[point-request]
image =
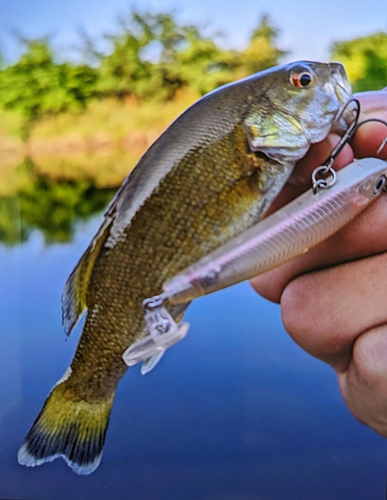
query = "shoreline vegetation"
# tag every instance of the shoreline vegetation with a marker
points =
(103, 142)
(113, 102)
(71, 131)
(118, 100)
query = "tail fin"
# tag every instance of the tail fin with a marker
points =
(73, 430)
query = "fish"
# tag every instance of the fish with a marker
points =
(290, 231)
(211, 175)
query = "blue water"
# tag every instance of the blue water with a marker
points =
(236, 411)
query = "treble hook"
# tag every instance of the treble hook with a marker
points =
(320, 174)
(351, 131)
(348, 134)
(324, 176)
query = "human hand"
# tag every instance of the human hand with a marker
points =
(334, 298)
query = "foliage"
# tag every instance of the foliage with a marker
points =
(11, 232)
(262, 52)
(54, 207)
(365, 60)
(36, 85)
(124, 71)
(151, 57)
(51, 206)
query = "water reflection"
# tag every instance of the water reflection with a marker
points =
(48, 204)
(234, 412)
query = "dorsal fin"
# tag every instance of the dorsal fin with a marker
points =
(75, 290)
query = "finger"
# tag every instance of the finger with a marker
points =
(360, 238)
(370, 136)
(325, 311)
(373, 104)
(364, 384)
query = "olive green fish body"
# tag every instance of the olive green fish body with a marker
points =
(196, 208)
(209, 177)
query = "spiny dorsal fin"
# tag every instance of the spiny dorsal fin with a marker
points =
(75, 291)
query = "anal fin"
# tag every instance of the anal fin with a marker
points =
(75, 291)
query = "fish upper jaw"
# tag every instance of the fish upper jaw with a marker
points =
(343, 91)
(338, 73)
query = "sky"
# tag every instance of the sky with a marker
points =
(307, 27)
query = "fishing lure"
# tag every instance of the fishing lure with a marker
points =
(288, 232)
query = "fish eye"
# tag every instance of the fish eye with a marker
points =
(301, 79)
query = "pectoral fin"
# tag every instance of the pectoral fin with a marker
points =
(75, 291)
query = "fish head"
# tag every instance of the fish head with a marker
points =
(296, 105)
(343, 90)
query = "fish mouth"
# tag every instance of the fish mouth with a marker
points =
(338, 73)
(348, 107)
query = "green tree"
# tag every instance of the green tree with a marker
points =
(170, 38)
(54, 206)
(36, 85)
(11, 230)
(153, 56)
(201, 64)
(262, 51)
(124, 71)
(365, 60)
(143, 57)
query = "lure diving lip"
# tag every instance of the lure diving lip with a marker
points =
(290, 231)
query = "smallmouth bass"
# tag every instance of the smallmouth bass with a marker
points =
(211, 175)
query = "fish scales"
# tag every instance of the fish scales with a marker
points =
(209, 177)
(194, 202)
(286, 233)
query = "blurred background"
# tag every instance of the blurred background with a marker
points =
(236, 411)
(86, 86)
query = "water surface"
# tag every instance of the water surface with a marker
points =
(236, 411)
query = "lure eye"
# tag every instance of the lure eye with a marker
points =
(380, 185)
(302, 79)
